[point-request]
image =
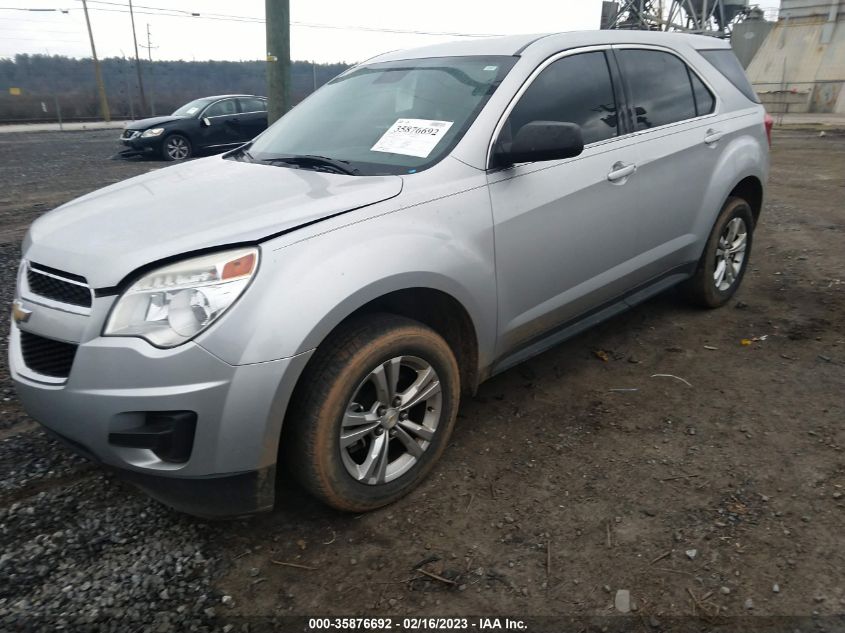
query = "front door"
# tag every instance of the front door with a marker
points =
(225, 125)
(566, 231)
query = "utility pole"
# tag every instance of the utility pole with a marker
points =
(137, 61)
(104, 104)
(125, 74)
(278, 57)
(314, 73)
(151, 76)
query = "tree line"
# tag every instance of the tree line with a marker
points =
(46, 82)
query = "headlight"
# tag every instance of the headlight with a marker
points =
(19, 280)
(155, 131)
(173, 304)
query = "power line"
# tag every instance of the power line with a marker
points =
(181, 11)
(6, 28)
(33, 10)
(222, 17)
(16, 20)
(387, 30)
(39, 39)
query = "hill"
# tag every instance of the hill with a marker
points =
(44, 79)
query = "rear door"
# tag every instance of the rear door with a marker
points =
(253, 117)
(565, 230)
(679, 140)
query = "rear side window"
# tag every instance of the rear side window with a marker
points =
(704, 101)
(574, 89)
(222, 108)
(724, 60)
(660, 87)
(250, 104)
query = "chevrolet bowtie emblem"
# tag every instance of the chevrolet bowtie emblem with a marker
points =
(19, 313)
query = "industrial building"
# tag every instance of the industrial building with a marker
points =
(800, 66)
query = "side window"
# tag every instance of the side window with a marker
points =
(704, 101)
(222, 108)
(724, 60)
(574, 89)
(660, 87)
(251, 104)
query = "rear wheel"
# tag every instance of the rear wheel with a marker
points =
(725, 258)
(176, 147)
(376, 409)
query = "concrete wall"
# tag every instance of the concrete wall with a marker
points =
(806, 8)
(801, 65)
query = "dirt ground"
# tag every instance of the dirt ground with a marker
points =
(694, 458)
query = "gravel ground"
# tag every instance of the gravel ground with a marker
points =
(557, 495)
(82, 551)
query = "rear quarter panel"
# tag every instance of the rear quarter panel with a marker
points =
(742, 152)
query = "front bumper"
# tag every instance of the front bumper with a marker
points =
(139, 146)
(115, 382)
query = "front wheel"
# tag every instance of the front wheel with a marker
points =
(176, 147)
(376, 409)
(725, 258)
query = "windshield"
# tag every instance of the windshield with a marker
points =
(388, 118)
(190, 109)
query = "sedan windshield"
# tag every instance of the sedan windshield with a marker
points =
(190, 109)
(386, 118)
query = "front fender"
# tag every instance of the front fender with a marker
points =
(304, 289)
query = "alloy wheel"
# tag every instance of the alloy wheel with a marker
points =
(730, 253)
(390, 420)
(177, 148)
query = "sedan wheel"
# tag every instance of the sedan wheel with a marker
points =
(176, 147)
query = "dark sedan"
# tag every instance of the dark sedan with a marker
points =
(203, 125)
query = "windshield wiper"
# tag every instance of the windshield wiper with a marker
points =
(242, 153)
(312, 160)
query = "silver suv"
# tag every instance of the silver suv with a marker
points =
(320, 298)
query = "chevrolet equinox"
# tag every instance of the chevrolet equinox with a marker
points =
(320, 297)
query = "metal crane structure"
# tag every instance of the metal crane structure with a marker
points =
(706, 17)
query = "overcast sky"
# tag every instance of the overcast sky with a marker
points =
(204, 38)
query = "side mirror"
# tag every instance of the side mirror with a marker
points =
(205, 121)
(541, 140)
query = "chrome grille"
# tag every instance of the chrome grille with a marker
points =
(58, 286)
(46, 356)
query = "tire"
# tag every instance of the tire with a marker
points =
(176, 147)
(719, 274)
(339, 392)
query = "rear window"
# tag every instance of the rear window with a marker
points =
(660, 87)
(725, 62)
(249, 104)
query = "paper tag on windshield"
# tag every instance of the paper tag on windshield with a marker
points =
(412, 137)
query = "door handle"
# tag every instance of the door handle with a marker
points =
(620, 170)
(712, 136)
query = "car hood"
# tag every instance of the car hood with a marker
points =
(107, 234)
(143, 124)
